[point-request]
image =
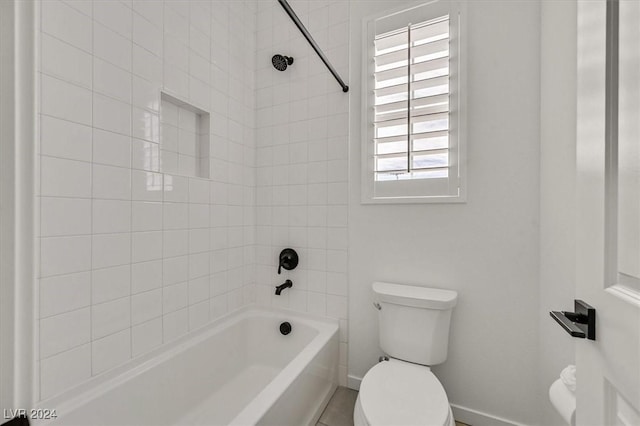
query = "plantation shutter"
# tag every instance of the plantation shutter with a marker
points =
(411, 102)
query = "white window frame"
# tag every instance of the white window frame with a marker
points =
(436, 190)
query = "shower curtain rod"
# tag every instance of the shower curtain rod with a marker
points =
(312, 42)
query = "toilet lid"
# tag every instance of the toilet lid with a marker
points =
(400, 393)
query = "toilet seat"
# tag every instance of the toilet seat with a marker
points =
(401, 393)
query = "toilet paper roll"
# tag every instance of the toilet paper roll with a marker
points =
(564, 401)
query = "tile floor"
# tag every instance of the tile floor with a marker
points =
(339, 411)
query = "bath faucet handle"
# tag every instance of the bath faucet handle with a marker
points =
(288, 260)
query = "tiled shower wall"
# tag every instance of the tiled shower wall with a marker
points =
(130, 257)
(302, 152)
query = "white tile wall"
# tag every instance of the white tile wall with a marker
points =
(132, 258)
(301, 157)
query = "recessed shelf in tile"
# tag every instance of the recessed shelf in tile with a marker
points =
(184, 138)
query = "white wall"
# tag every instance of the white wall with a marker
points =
(487, 249)
(127, 263)
(302, 168)
(557, 193)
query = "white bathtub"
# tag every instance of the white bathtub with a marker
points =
(239, 370)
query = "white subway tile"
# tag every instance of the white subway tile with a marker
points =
(175, 270)
(198, 290)
(175, 243)
(199, 191)
(64, 100)
(110, 317)
(63, 332)
(110, 148)
(110, 351)
(113, 15)
(198, 315)
(146, 64)
(66, 139)
(112, 115)
(174, 325)
(65, 178)
(169, 114)
(146, 276)
(66, 23)
(198, 265)
(111, 80)
(337, 260)
(64, 216)
(111, 46)
(198, 216)
(199, 42)
(146, 246)
(316, 303)
(111, 250)
(64, 255)
(110, 284)
(111, 182)
(175, 24)
(169, 162)
(151, 10)
(111, 216)
(199, 67)
(64, 293)
(198, 240)
(65, 61)
(145, 155)
(146, 186)
(146, 306)
(147, 35)
(65, 370)
(174, 297)
(146, 95)
(176, 189)
(146, 125)
(146, 336)
(147, 216)
(175, 215)
(176, 80)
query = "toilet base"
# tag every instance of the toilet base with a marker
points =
(360, 420)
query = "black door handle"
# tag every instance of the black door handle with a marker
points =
(581, 323)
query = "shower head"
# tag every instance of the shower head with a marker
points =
(281, 62)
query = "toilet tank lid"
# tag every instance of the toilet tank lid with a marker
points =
(410, 295)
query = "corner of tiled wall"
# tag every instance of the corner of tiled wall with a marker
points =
(302, 127)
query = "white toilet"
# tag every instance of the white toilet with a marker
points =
(414, 333)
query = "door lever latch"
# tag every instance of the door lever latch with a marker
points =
(581, 323)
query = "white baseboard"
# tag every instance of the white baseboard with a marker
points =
(478, 418)
(353, 382)
(460, 413)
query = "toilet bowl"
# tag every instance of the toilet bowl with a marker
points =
(413, 330)
(400, 393)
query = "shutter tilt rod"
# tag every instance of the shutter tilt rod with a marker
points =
(312, 42)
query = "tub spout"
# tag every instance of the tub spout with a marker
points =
(286, 284)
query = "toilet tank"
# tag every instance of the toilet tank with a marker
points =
(414, 321)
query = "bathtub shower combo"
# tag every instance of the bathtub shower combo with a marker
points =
(248, 368)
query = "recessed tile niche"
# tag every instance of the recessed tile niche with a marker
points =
(184, 139)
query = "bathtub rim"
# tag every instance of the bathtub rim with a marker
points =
(82, 394)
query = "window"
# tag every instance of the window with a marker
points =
(413, 145)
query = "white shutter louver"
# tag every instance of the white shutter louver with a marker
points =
(411, 102)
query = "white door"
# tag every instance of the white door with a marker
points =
(608, 222)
